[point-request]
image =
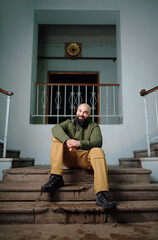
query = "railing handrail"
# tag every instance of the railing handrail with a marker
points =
(9, 93)
(75, 84)
(143, 92)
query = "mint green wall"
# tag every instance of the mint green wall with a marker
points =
(138, 68)
(106, 68)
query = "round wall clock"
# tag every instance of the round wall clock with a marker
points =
(73, 49)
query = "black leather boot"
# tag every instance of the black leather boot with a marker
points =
(103, 199)
(55, 181)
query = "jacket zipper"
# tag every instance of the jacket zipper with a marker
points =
(78, 133)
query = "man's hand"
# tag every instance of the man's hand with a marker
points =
(73, 144)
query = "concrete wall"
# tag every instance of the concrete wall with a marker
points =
(138, 68)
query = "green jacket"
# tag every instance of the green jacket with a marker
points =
(89, 137)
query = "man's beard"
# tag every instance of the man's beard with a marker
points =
(83, 123)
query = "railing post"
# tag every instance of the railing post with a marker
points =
(44, 104)
(156, 108)
(58, 104)
(6, 126)
(147, 126)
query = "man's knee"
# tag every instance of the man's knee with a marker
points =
(96, 153)
(56, 144)
(56, 140)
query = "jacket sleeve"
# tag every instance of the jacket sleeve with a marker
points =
(59, 131)
(95, 140)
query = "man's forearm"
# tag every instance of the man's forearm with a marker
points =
(59, 133)
(87, 145)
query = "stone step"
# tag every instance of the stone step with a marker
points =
(77, 212)
(10, 153)
(145, 162)
(85, 192)
(7, 163)
(154, 145)
(1, 146)
(22, 162)
(144, 153)
(130, 162)
(40, 174)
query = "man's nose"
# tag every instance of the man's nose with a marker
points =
(81, 115)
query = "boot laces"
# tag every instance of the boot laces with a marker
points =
(53, 179)
(105, 197)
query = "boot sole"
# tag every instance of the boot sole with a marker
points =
(51, 190)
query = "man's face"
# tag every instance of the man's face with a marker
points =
(83, 112)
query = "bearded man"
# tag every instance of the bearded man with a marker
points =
(77, 144)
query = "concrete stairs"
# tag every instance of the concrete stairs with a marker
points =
(138, 155)
(21, 199)
(9, 153)
(141, 160)
(143, 153)
(13, 160)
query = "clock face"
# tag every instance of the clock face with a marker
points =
(73, 49)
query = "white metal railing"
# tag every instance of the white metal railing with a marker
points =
(4, 141)
(60, 101)
(145, 94)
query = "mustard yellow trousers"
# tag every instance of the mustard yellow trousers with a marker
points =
(84, 159)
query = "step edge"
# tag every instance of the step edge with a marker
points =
(71, 206)
(78, 188)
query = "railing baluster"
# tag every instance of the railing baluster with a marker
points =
(86, 94)
(51, 99)
(156, 108)
(79, 94)
(37, 110)
(107, 102)
(114, 100)
(100, 104)
(145, 94)
(65, 97)
(44, 104)
(72, 102)
(58, 105)
(147, 126)
(6, 126)
(4, 141)
(93, 102)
